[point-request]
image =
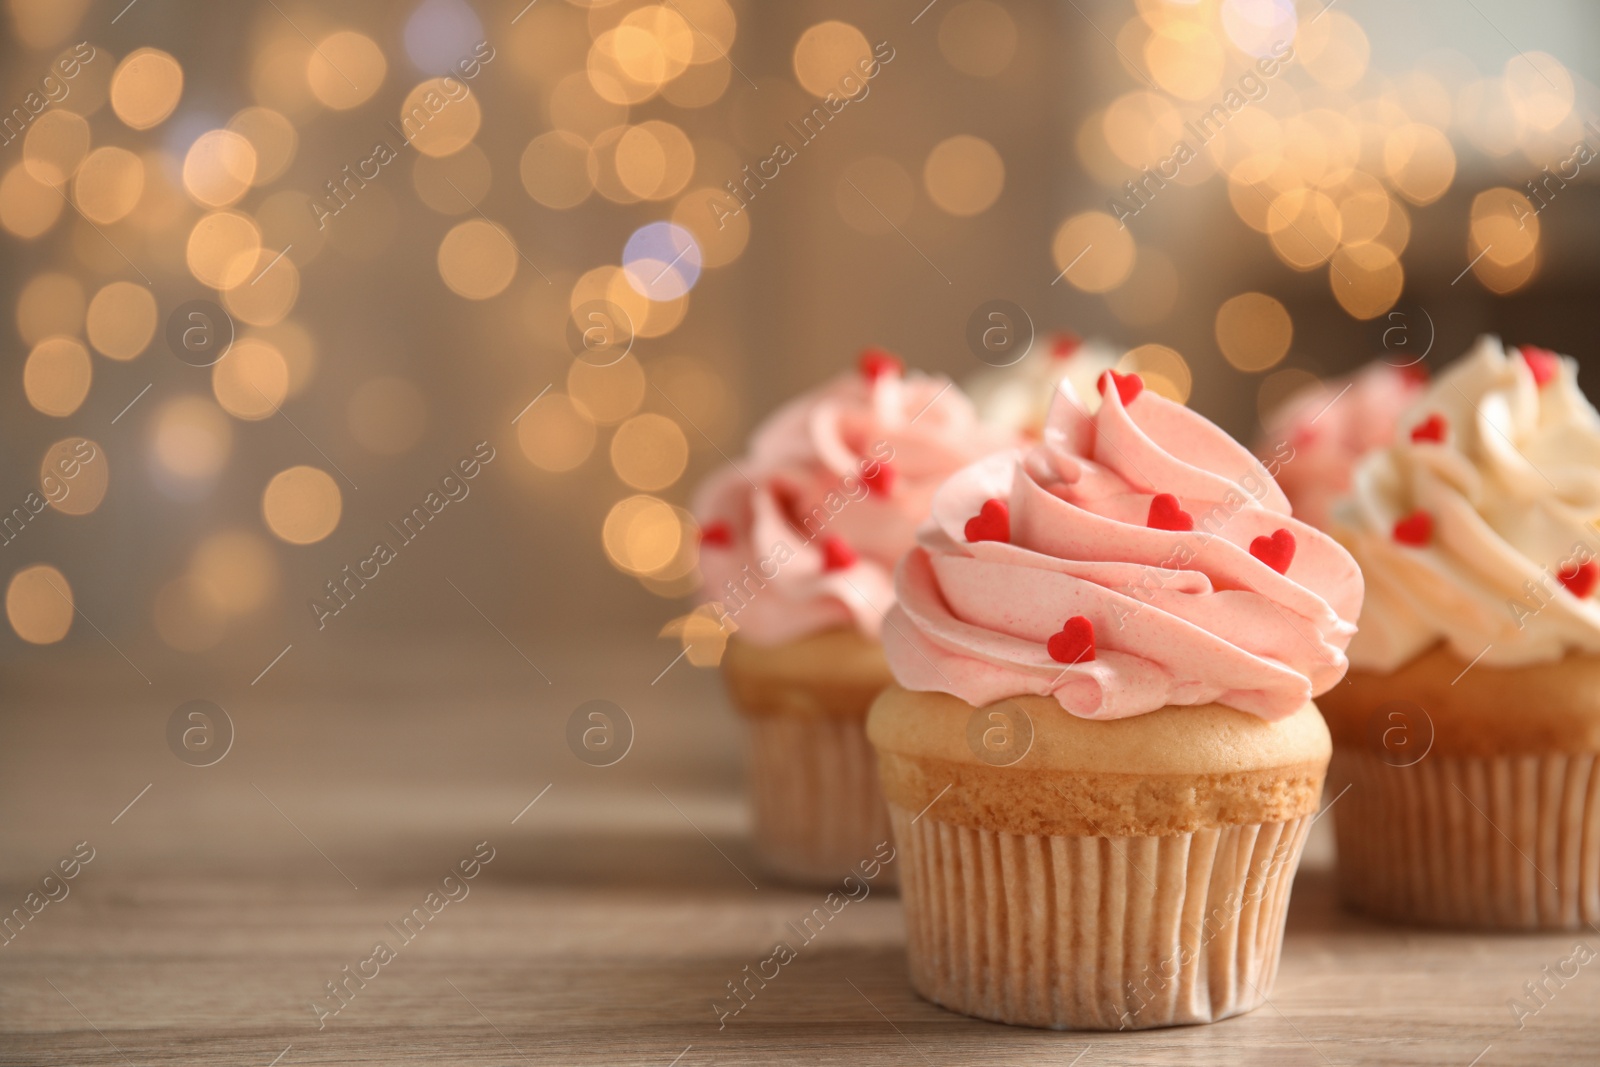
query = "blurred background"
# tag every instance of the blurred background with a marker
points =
(276, 272)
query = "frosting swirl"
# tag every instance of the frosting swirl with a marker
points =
(1314, 441)
(802, 535)
(1017, 398)
(1146, 560)
(1476, 527)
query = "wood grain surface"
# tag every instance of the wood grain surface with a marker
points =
(615, 909)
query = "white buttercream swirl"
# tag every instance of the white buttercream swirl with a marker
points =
(1512, 492)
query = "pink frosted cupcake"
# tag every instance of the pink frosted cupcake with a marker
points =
(798, 543)
(1102, 758)
(1313, 441)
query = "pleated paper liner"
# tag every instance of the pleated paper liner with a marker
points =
(1095, 933)
(1509, 842)
(819, 810)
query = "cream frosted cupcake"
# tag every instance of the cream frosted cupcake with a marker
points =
(1313, 442)
(1017, 398)
(1102, 759)
(1469, 730)
(798, 543)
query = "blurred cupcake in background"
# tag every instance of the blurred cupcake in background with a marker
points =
(1017, 397)
(1469, 728)
(1102, 757)
(1314, 440)
(798, 544)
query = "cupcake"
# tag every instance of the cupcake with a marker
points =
(1017, 397)
(798, 544)
(1101, 757)
(1469, 728)
(1313, 442)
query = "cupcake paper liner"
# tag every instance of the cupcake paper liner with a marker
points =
(1507, 842)
(1095, 933)
(819, 810)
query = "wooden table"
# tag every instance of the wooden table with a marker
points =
(614, 911)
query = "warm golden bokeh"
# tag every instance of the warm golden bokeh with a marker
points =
(51, 303)
(964, 175)
(251, 381)
(1253, 330)
(39, 604)
(74, 475)
(1093, 251)
(108, 184)
(54, 146)
(191, 441)
(440, 116)
(344, 69)
(649, 452)
(56, 376)
(556, 434)
(477, 259)
(121, 320)
(830, 57)
(302, 505)
(234, 571)
(219, 168)
(146, 87)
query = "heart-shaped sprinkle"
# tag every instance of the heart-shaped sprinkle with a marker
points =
(1542, 362)
(1431, 428)
(1065, 345)
(879, 478)
(1075, 642)
(1165, 514)
(1415, 529)
(1580, 580)
(718, 534)
(1415, 373)
(837, 555)
(1128, 385)
(874, 363)
(991, 523)
(1276, 551)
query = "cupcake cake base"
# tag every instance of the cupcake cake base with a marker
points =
(1095, 933)
(1100, 875)
(819, 810)
(1473, 805)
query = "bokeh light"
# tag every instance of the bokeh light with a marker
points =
(477, 259)
(108, 184)
(345, 69)
(146, 88)
(830, 57)
(39, 604)
(235, 571)
(662, 260)
(190, 443)
(51, 303)
(1253, 330)
(56, 376)
(556, 434)
(1093, 251)
(964, 175)
(74, 475)
(121, 320)
(642, 534)
(219, 168)
(54, 146)
(607, 394)
(649, 452)
(440, 116)
(251, 380)
(302, 505)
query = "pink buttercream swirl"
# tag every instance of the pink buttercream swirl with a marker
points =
(802, 535)
(1178, 616)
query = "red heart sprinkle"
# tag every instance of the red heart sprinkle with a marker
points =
(1431, 428)
(991, 523)
(1415, 529)
(1165, 514)
(1075, 642)
(1415, 373)
(1276, 551)
(837, 555)
(1542, 362)
(1128, 385)
(879, 478)
(717, 533)
(1065, 345)
(1581, 579)
(874, 363)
